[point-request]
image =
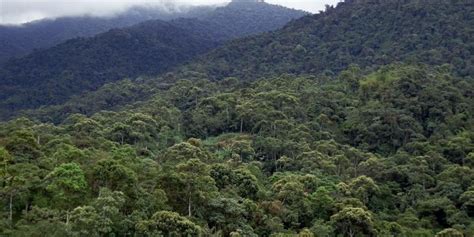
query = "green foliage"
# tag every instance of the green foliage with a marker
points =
(169, 224)
(67, 185)
(18, 40)
(354, 221)
(52, 76)
(372, 151)
(449, 233)
(280, 156)
(353, 32)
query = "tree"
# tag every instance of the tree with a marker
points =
(67, 185)
(84, 221)
(5, 160)
(363, 188)
(241, 180)
(290, 191)
(23, 146)
(109, 206)
(352, 222)
(322, 228)
(184, 151)
(68, 153)
(199, 185)
(169, 224)
(114, 176)
(467, 199)
(322, 203)
(449, 233)
(226, 215)
(38, 221)
(18, 181)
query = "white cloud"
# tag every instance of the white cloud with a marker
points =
(20, 11)
(307, 5)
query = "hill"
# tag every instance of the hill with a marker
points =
(19, 40)
(366, 33)
(83, 64)
(51, 76)
(238, 19)
(384, 153)
(370, 150)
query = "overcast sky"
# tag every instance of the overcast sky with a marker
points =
(20, 11)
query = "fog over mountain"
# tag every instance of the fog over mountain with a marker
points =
(149, 48)
(249, 119)
(22, 11)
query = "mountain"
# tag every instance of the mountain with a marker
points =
(384, 153)
(19, 40)
(51, 76)
(370, 150)
(367, 33)
(83, 64)
(355, 32)
(238, 19)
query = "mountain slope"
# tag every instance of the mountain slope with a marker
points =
(20, 40)
(359, 32)
(374, 151)
(354, 32)
(239, 19)
(83, 64)
(391, 152)
(51, 76)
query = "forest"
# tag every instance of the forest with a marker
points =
(20, 40)
(389, 153)
(346, 123)
(51, 76)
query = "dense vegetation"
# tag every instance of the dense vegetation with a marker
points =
(357, 31)
(19, 40)
(239, 19)
(52, 76)
(387, 153)
(285, 134)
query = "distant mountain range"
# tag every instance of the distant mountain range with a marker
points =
(51, 76)
(356, 32)
(355, 122)
(19, 40)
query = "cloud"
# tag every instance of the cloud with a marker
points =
(20, 11)
(307, 5)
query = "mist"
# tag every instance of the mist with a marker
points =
(22, 11)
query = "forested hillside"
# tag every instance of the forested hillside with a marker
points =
(19, 40)
(52, 76)
(341, 124)
(368, 33)
(239, 19)
(389, 153)
(271, 54)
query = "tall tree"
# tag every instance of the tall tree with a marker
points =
(199, 185)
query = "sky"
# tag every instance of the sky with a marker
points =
(21, 11)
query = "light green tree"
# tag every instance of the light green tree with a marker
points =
(353, 222)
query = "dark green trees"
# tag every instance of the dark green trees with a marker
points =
(388, 152)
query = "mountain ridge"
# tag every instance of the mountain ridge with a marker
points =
(359, 32)
(51, 76)
(17, 41)
(281, 134)
(282, 52)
